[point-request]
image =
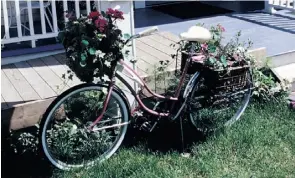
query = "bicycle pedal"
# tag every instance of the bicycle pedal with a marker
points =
(153, 126)
(146, 126)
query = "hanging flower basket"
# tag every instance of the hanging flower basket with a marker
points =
(93, 43)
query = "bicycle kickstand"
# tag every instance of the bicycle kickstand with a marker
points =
(183, 154)
(155, 124)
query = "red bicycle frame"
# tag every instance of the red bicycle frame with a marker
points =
(130, 73)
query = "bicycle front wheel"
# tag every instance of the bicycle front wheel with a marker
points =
(209, 110)
(65, 138)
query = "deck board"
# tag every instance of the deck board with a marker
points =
(157, 55)
(170, 36)
(142, 67)
(9, 93)
(37, 80)
(54, 81)
(150, 61)
(59, 69)
(40, 86)
(42, 78)
(23, 87)
(159, 46)
(152, 51)
(145, 56)
(61, 58)
(54, 65)
(164, 41)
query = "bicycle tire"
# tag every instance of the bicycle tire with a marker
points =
(237, 114)
(49, 113)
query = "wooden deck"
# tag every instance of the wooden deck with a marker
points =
(29, 87)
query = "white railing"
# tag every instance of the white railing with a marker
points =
(14, 11)
(270, 5)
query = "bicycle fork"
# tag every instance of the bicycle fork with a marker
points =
(105, 104)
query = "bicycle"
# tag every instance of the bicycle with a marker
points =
(98, 132)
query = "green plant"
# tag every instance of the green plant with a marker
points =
(218, 56)
(93, 44)
(235, 53)
(67, 141)
(24, 140)
(266, 86)
(84, 105)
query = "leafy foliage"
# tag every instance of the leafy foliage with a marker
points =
(267, 87)
(236, 53)
(218, 56)
(93, 44)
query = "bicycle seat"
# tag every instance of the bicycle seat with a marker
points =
(196, 33)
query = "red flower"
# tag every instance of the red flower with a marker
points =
(101, 23)
(110, 11)
(94, 14)
(115, 13)
(221, 28)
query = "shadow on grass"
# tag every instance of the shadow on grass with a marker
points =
(165, 137)
(29, 162)
(23, 161)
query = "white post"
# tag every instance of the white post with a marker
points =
(32, 32)
(98, 5)
(54, 16)
(133, 41)
(65, 4)
(268, 8)
(18, 21)
(77, 8)
(88, 6)
(42, 17)
(6, 25)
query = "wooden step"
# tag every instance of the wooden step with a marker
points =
(286, 72)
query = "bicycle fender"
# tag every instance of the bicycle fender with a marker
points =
(191, 84)
(123, 96)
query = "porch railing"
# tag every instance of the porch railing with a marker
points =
(47, 8)
(270, 5)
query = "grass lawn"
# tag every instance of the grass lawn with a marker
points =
(262, 144)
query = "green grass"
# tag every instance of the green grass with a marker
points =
(262, 144)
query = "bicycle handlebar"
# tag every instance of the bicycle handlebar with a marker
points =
(143, 33)
(148, 31)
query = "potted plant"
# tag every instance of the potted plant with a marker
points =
(216, 56)
(225, 65)
(92, 44)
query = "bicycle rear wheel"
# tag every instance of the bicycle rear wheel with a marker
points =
(65, 138)
(209, 110)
